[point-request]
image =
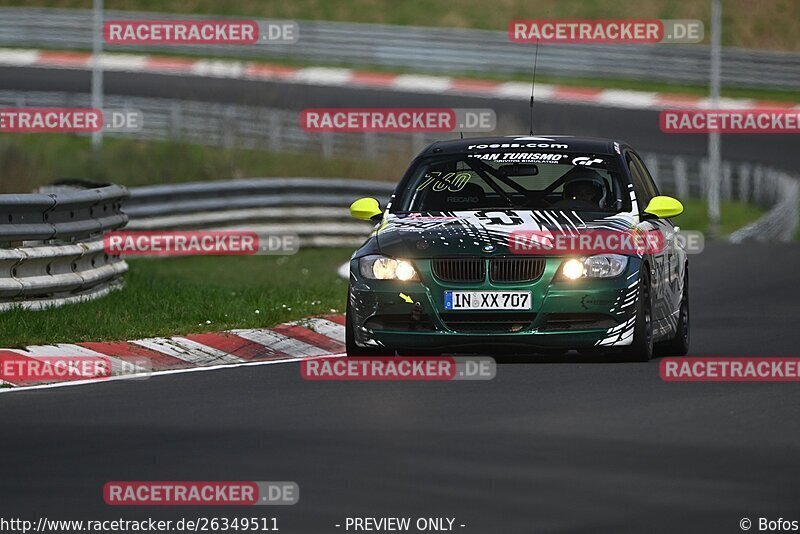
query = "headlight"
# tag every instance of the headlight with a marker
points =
(384, 268)
(599, 266)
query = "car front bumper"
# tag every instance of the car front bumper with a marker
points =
(565, 314)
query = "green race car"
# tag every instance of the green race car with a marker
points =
(479, 250)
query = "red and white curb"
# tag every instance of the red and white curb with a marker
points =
(308, 338)
(412, 83)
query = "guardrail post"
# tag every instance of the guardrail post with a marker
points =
(370, 142)
(744, 182)
(681, 180)
(229, 127)
(651, 161)
(703, 177)
(327, 145)
(726, 190)
(175, 120)
(758, 185)
(417, 141)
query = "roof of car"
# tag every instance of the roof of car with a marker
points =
(595, 145)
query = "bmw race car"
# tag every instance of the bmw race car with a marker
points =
(443, 271)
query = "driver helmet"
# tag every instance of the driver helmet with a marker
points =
(586, 185)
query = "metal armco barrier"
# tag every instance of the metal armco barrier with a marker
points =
(436, 50)
(61, 216)
(781, 222)
(316, 209)
(51, 249)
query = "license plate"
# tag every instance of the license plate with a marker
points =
(487, 300)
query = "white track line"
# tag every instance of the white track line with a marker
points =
(323, 76)
(160, 373)
(418, 82)
(18, 58)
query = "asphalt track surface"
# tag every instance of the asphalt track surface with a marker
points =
(638, 127)
(545, 447)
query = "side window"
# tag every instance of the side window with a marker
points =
(647, 179)
(642, 195)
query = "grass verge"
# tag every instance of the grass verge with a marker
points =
(172, 296)
(28, 161)
(733, 215)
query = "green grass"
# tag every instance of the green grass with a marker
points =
(165, 297)
(764, 24)
(733, 215)
(30, 160)
(27, 161)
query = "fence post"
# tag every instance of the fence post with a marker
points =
(681, 179)
(703, 168)
(758, 185)
(275, 131)
(327, 145)
(727, 193)
(651, 162)
(744, 182)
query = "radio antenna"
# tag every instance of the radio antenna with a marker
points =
(533, 82)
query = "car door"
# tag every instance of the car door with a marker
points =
(663, 264)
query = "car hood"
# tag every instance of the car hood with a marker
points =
(419, 235)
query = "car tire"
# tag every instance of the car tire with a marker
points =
(641, 349)
(351, 348)
(679, 344)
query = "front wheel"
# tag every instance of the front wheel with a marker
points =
(641, 349)
(679, 345)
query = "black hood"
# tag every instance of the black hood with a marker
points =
(419, 235)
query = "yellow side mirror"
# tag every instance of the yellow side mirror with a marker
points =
(365, 209)
(664, 207)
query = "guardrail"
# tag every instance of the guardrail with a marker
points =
(51, 249)
(437, 50)
(781, 222)
(315, 209)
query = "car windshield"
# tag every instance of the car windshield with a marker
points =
(523, 180)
